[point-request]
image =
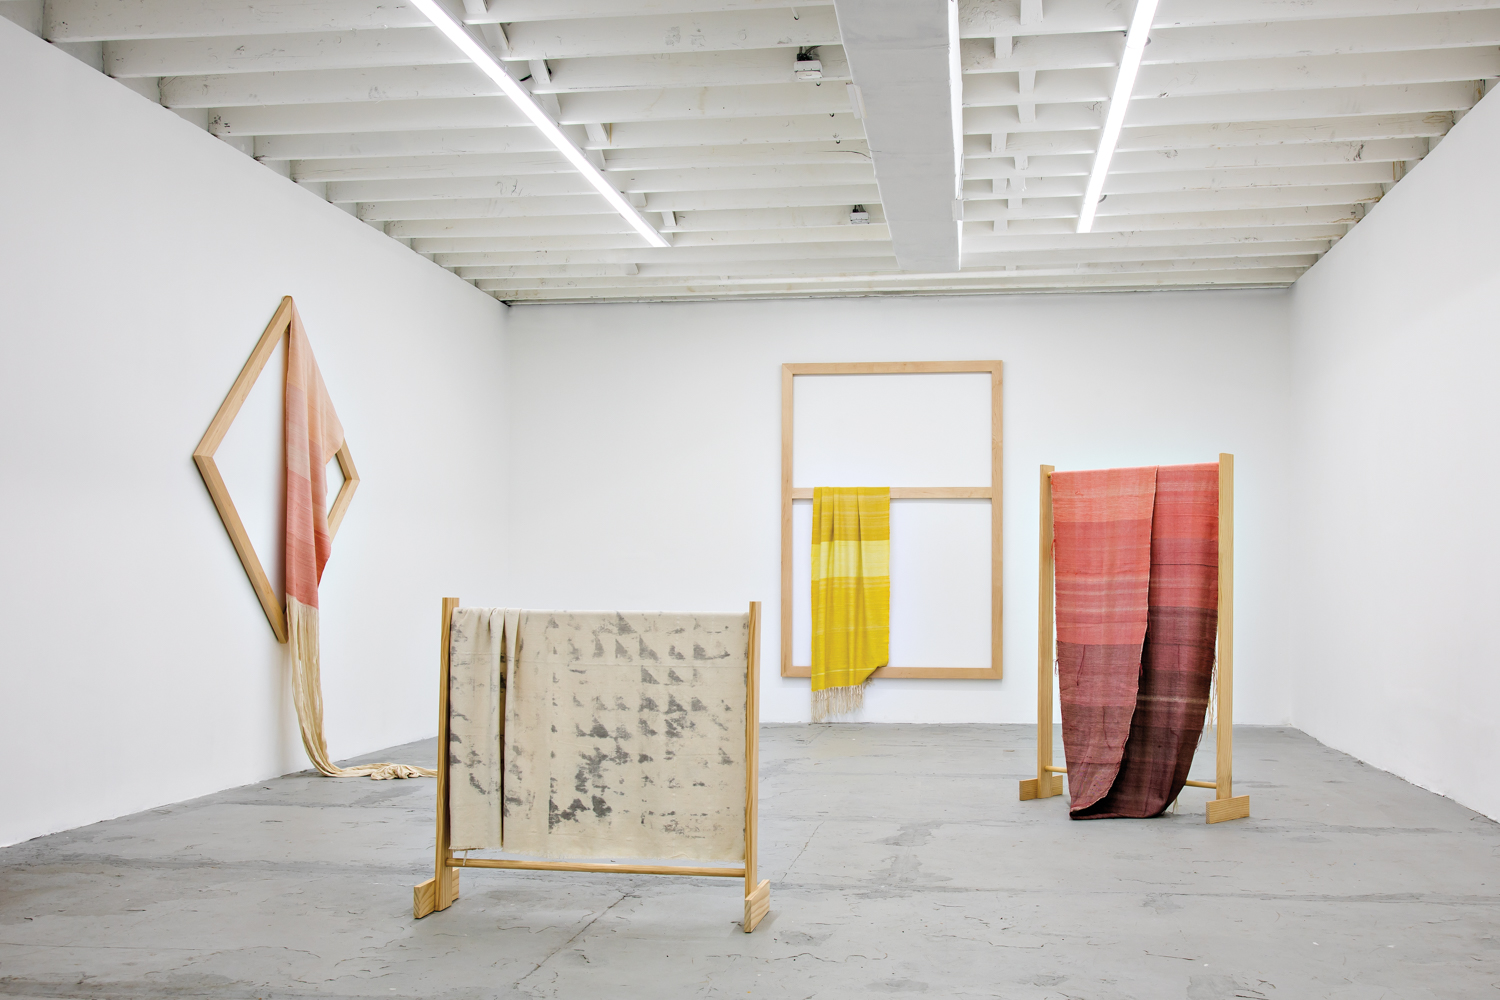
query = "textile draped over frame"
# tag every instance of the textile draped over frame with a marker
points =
(608, 734)
(481, 643)
(1137, 615)
(313, 436)
(851, 594)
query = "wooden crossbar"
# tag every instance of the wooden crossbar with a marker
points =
(617, 868)
(1225, 805)
(440, 891)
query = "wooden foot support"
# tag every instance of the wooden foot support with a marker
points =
(757, 905)
(424, 896)
(1219, 810)
(1041, 788)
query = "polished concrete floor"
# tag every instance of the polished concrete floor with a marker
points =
(901, 863)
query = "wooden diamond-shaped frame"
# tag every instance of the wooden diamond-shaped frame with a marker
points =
(203, 455)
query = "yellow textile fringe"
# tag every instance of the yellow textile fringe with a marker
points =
(829, 702)
(307, 696)
(851, 594)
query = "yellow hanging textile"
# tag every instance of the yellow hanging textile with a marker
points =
(851, 594)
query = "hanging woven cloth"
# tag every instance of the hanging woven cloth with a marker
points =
(313, 436)
(851, 594)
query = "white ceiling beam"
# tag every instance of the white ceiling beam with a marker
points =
(682, 268)
(1063, 238)
(1214, 158)
(377, 116)
(465, 82)
(870, 235)
(1260, 75)
(752, 67)
(742, 155)
(99, 20)
(660, 278)
(1343, 36)
(1316, 72)
(736, 210)
(582, 290)
(904, 59)
(490, 208)
(648, 34)
(1355, 128)
(728, 131)
(1294, 104)
(433, 203)
(328, 86)
(744, 177)
(551, 10)
(532, 226)
(1157, 203)
(780, 99)
(516, 186)
(1185, 13)
(1045, 258)
(433, 142)
(389, 168)
(1205, 180)
(987, 19)
(714, 255)
(420, 45)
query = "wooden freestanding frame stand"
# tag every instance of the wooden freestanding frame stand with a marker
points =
(1225, 805)
(439, 892)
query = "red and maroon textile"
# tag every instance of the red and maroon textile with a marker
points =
(1136, 555)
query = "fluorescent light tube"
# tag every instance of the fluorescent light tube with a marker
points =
(481, 57)
(1130, 65)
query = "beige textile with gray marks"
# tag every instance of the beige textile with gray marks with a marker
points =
(625, 736)
(479, 640)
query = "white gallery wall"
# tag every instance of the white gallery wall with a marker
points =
(1396, 344)
(645, 456)
(140, 259)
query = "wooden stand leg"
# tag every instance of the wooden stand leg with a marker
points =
(1225, 805)
(757, 894)
(1046, 784)
(439, 892)
(424, 894)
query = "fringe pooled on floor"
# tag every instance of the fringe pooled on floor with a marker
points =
(307, 696)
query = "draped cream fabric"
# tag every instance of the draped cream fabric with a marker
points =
(625, 736)
(851, 594)
(478, 656)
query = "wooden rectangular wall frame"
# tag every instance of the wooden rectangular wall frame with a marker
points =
(1225, 805)
(440, 891)
(992, 493)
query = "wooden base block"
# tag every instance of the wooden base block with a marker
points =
(757, 905)
(424, 896)
(1219, 810)
(1032, 788)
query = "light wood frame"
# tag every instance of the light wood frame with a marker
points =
(439, 892)
(992, 493)
(1225, 805)
(203, 456)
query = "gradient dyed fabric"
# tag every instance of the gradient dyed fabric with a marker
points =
(313, 436)
(1137, 615)
(851, 594)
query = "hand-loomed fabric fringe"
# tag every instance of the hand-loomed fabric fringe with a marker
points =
(838, 701)
(307, 696)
